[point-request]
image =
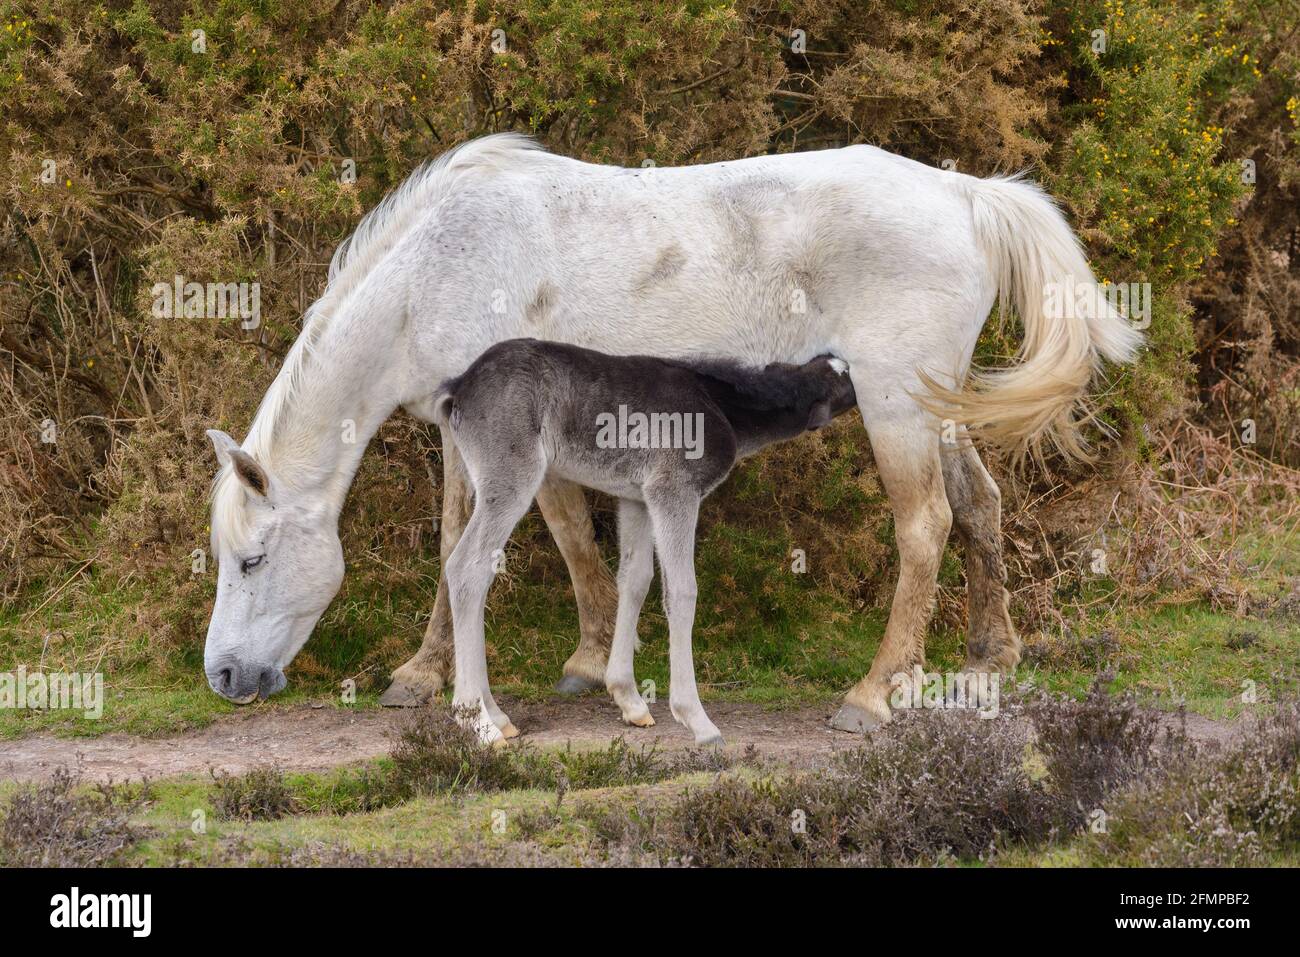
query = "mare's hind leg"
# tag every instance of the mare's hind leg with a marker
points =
(636, 569)
(906, 449)
(564, 506)
(429, 670)
(976, 502)
(500, 501)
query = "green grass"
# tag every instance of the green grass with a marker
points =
(443, 825)
(183, 825)
(1182, 653)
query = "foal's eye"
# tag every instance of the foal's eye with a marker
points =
(249, 563)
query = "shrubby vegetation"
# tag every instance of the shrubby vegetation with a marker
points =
(217, 141)
(1097, 781)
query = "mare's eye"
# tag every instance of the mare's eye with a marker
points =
(249, 563)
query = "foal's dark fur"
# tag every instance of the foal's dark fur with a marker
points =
(527, 408)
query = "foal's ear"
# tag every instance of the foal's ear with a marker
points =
(223, 444)
(819, 415)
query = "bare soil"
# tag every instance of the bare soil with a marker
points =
(316, 738)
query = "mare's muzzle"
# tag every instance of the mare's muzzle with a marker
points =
(243, 682)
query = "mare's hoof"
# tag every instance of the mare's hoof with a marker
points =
(576, 684)
(402, 695)
(856, 720)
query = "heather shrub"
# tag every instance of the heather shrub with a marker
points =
(933, 788)
(1097, 745)
(435, 755)
(58, 823)
(258, 795)
(1227, 808)
(939, 787)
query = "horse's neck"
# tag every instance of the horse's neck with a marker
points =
(345, 390)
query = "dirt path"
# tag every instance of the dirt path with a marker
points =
(310, 738)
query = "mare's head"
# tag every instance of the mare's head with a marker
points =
(279, 566)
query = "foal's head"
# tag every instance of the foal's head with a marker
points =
(280, 564)
(831, 387)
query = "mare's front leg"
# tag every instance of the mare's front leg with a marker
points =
(430, 669)
(635, 572)
(673, 516)
(564, 507)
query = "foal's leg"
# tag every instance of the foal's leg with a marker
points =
(673, 516)
(635, 571)
(907, 455)
(976, 502)
(500, 502)
(564, 506)
(430, 669)
(565, 509)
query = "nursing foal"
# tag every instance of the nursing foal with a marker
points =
(659, 435)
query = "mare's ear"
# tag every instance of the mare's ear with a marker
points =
(223, 444)
(250, 473)
(819, 415)
(245, 466)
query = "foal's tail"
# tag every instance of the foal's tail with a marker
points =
(442, 401)
(1068, 323)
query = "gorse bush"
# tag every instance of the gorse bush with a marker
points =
(241, 141)
(1143, 170)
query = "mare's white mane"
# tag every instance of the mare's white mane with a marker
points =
(375, 236)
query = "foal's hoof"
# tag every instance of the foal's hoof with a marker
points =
(644, 721)
(712, 741)
(402, 695)
(576, 684)
(855, 720)
(510, 731)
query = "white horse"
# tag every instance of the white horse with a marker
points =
(888, 263)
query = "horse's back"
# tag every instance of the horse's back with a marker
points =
(762, 258)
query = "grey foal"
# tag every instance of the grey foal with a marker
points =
(657, 434)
